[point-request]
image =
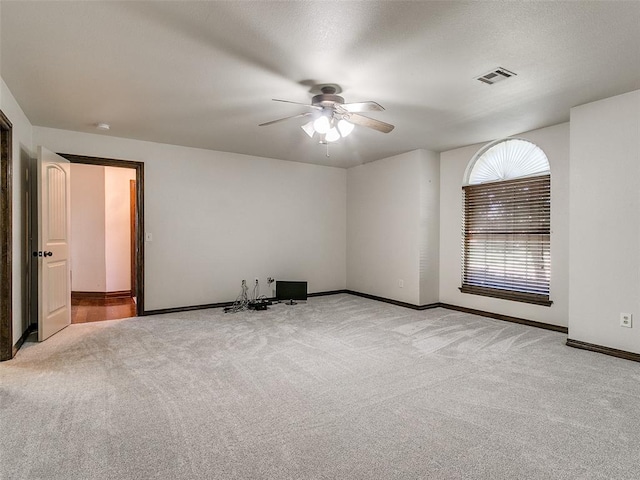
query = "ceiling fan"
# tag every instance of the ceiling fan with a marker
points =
(333, 119)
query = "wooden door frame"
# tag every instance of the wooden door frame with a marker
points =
(6, 239)
(139, 254)
(133, 226)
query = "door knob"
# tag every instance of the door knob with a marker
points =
(48, 254)
(43, 254)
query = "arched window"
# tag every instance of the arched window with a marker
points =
(507, 223)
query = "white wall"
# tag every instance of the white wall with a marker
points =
(117, 240)
(605, 222)
(429, 236)
(392, 223)
(217, 218)
(87, 229)
(22, 157)
(554, 141)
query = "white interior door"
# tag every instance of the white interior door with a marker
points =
(54, 273)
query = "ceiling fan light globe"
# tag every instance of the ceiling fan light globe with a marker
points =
(345, 127)
(308, 129)
(321, 125)
(332, 135)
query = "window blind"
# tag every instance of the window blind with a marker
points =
(506, 239)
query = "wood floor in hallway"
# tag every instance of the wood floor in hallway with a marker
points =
(85, 310)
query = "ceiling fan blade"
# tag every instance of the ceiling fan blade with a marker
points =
(362, 107)
(297, 103)
(369, 122)
(285, 118)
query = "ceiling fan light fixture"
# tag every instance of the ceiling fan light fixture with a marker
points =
(321, 124)
(331, 118)
(308, 128)
(332, 135)
(345, 127)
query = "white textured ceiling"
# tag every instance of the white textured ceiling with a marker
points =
(203, 74)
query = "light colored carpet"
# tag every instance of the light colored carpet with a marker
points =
(339, 388)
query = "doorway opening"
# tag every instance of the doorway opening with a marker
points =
(107, 248)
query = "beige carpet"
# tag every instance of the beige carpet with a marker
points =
(338, 388)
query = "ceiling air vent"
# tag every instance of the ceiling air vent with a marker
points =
(496, 75)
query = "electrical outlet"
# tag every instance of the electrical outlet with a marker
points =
(401, 283)
(625, 320)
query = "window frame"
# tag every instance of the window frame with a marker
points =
(523, 227)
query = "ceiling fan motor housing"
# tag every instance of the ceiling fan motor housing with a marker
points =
(327, 100)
